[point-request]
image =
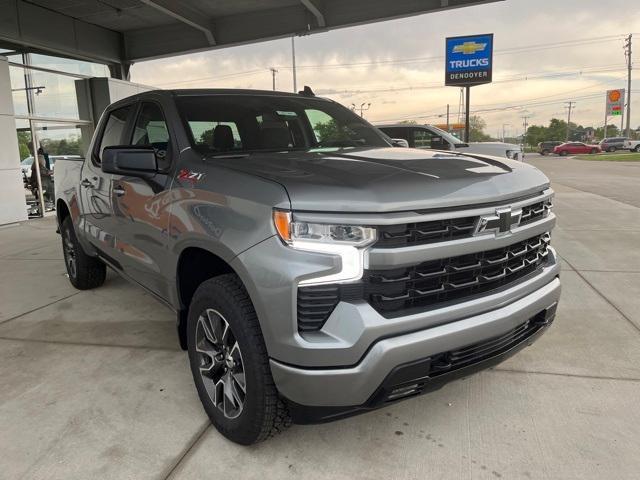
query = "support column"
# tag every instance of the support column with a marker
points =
(13, 206)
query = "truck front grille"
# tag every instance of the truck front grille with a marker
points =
(403, 235)
(392, 291)
(422, 233)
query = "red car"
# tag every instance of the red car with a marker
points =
(572, 148)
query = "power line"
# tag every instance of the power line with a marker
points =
(438, 85)
(523, 103)
(216, 77)
(507, 51)
(519, 49)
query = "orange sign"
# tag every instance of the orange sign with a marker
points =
(452, 126)
(615, 101)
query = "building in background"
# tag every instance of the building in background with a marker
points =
(51, 103)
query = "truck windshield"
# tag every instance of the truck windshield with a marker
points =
(230, 124)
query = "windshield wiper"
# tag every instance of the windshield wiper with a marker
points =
(226, 155)
(246, 153)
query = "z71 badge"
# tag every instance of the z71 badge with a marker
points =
(190, 176)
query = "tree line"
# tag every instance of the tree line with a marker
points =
(63, 146)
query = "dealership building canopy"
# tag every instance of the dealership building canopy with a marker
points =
(63, 61)
(126, 31)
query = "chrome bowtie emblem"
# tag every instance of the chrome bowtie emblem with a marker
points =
(501, 223)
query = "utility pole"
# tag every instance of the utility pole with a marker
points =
(503, 131)
(569, 107)
(293, 63)
(467, 115)
(525, 124)
(273, 77)
(627, 53)
(447, 117)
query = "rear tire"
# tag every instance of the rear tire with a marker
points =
(84, 272)
(637, 149)
(611, 149)
(593, 151)
(544, 152)
(230, 365)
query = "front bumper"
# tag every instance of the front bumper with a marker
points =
(319, 394)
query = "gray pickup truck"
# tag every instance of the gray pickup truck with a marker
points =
(316, 272)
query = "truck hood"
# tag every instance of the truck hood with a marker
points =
(389, 179)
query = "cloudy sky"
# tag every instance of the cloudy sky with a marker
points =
(546, 52)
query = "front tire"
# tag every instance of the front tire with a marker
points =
(84, 272)
(637, 149)
(611, 149)
(544, 152)
(593, 151)
(230, 365)
(563, 153)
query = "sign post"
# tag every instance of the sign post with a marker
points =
(469, 62)
(614, 106)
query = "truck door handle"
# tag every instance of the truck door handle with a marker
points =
(118, 190)
(87, 183)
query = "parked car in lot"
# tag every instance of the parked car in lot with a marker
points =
(27, 163)
(315, 271)
(612, 144)
(545, 148)
(633, 145)
(430, 137)
(574, 148)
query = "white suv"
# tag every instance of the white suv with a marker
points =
(428, 136)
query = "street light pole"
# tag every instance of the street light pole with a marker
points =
(293, 63)
(361, 108)
(273, 77)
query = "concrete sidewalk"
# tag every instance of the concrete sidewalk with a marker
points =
(94, 385)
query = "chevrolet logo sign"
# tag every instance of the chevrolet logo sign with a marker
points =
(469, 48)
(501, 223)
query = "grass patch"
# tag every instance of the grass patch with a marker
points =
(611, 157)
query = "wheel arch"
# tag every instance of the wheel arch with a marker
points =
(62, 211)
(195, 265)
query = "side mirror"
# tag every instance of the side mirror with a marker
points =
(399, 142)
(129, 160)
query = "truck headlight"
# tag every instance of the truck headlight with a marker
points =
(346, 241)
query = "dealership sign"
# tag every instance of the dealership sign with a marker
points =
(615, 102)
(469, 60)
